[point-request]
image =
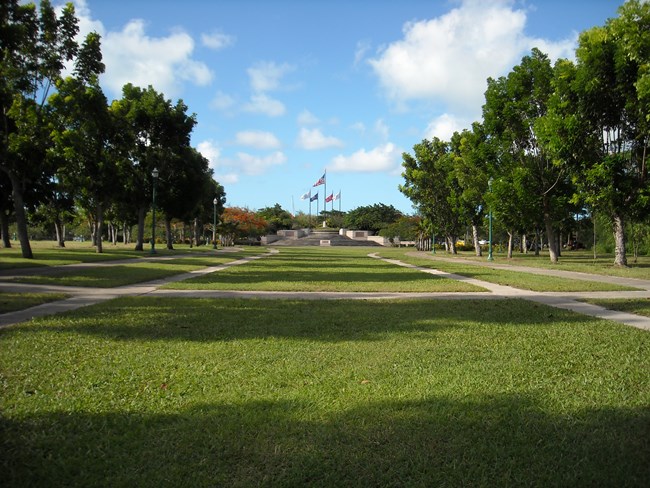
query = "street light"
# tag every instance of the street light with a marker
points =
(214, 226)
(154, 173)
(490, 258)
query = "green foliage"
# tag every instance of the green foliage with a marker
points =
(276, 217)
(406, 228)
(371, 217)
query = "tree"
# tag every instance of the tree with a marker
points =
(276, 217)
(514, 111)
(156, 134)
(472, 153)
(240, 222)
(33, 49)
(83, 135)
(371, 217)
(601, 119)
(432, 186)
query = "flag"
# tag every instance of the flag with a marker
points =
(337, 196)
(321, 180)
(315, 197)
(306, 195)
(330, 198)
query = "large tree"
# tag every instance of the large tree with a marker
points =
(600, 125)
(157, 133)
(431, 184)
(515, 106)
(83, 136)
(34, 46)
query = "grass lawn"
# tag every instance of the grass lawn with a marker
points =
(581, 261)
(636, 306)
(10, 302)
(516, 279)
(110, 276)
(318, 269)
(47, 253)
(147, 391)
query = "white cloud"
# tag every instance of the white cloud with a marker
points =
(131, 56)
(381, 128)
(449, 58)
(210, 151)
(217, 40)
(307, 118)
(360, 52)
(263, 104)
(315, 139)
(266, 75)
(257, 139)
(444, 126)
(382, 158)
(360, 127)
(222, 101)
(256, 165)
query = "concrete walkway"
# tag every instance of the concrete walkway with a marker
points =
(81, 297)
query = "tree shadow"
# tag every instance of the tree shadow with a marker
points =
(507, 440)
(208, 320)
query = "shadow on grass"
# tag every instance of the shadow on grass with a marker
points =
(196, 319)
(494, 441)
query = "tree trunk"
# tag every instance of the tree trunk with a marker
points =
(21, 218)
(477, 246)
(168, 232)
(100, 228)
(537, 243)
(4, 228)
(60, 232)
(620, 259)
(451, 240)
(139, 244)
(524, 243)
(510, 242)
(553, 252)
(197, 237)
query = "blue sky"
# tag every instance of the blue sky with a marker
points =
(286, 90)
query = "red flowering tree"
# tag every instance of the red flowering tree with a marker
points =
(237, 222)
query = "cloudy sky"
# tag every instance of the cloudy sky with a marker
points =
(286, 90)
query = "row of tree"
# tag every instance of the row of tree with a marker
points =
(65, 149)
(556, 141)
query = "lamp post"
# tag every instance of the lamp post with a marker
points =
(214, 224)
(154, 173)
(490, 258)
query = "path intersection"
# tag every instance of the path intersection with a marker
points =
(81, 296)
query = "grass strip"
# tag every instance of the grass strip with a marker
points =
(147, 391)
(640, 306)
(120, 275)
(11, 302)
(516, 279)
(303, 269)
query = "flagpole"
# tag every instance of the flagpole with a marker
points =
(325, 193)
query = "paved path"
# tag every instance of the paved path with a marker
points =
(81, 297)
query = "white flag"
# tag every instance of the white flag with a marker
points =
(306, 195)
(337, 196)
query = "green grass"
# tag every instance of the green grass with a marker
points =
(108, 276)
(516, 279)
(204, 392)
(580, 261)
(639, 306)
(47, 253)
(316, 269)
(11, 302)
